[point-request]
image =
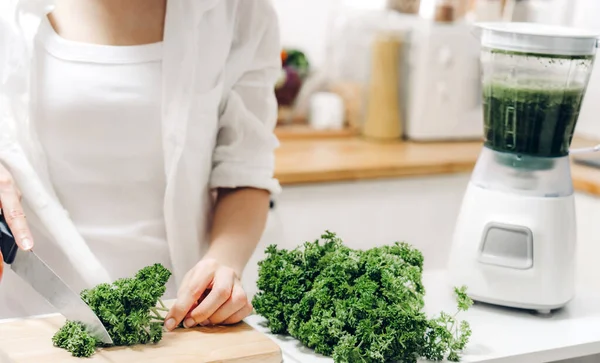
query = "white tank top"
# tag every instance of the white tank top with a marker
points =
(98, 118)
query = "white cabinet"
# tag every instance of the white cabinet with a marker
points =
(420, 211)
(365, 214)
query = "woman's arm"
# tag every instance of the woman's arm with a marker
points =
(212, 292)
(242, 173)
(239, 221)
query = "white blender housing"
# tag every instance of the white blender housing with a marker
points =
(515, 238)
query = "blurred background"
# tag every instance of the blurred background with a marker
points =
(334, 50)
(381, 121)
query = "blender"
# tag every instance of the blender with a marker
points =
(515, 238)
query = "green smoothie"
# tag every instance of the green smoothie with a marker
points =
(535, 118)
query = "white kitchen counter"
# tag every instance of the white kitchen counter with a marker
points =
(499, 335)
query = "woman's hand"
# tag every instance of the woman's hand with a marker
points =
(10, 203)
(210, 294)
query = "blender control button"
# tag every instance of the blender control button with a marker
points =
(506, 245)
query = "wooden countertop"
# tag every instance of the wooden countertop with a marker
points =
(317, 160)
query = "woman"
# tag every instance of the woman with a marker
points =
(145, 129)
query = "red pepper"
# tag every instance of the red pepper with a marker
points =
(284, 56)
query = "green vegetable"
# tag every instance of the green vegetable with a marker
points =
(297, 59)
(540, 56)
(532, 101)
(535, 118)
(356, 306)
(127, 308)
(74, 338)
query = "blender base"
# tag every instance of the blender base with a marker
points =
(514, 250)
(539, 309)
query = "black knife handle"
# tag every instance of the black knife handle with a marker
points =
(8, 245)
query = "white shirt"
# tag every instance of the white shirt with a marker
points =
(220, 63)
(97, 117)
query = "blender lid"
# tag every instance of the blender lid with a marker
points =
(538, 38)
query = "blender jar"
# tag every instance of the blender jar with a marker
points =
(534, 81)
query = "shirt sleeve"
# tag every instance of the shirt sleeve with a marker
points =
(244, 155)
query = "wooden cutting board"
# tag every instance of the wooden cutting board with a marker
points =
(30, 341)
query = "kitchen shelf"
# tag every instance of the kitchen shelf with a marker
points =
(312, 157)
(295, 132)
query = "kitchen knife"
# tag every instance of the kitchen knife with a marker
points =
(36, 273)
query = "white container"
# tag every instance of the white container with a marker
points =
(443, 92)
(326, 111)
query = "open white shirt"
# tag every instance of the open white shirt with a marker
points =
(97, 117)
(220, 62)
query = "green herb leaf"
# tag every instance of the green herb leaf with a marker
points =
(127, 308)
(355, 305)
(74, 338)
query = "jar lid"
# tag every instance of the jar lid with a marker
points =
(538, 38)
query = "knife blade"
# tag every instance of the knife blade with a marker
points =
(40, 276)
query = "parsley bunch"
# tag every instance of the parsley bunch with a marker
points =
(127, 308)
(356, 306)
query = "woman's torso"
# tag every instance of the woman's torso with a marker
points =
(97, 115)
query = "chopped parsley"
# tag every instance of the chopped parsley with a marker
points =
(129, 308)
